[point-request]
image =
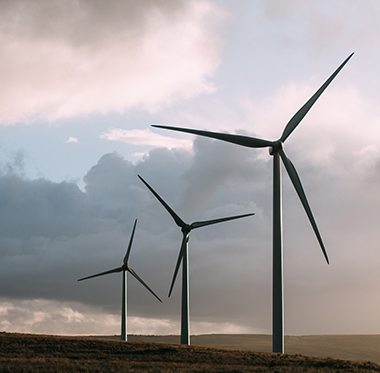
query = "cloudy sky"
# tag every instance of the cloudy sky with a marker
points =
(81, 82)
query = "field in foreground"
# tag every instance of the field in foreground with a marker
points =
(42, 353)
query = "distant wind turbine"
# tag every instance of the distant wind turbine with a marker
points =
(183, 256)
(277, 151)
(125, 268)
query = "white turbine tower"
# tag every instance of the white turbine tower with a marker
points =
(125, 268)
(277, 151)
(183, 256)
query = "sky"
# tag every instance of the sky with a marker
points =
(82, 81)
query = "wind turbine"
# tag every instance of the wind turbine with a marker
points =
(277, 151)
(183, 256)
(125, 268)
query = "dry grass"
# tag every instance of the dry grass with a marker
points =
(41, 353)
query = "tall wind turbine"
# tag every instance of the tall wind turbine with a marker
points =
(183, 256)
(125, 268)
(277, 151)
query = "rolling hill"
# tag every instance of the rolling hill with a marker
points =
(45, 353)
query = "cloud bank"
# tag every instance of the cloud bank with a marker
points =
(64, 59)
(54, 233)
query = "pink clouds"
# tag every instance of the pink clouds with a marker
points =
(144, 137)
(80, 62)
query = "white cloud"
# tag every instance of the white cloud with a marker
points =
(139, 155)
(26, 317)
(73, 139)
(77, 57)
(45, 316)
(144, 137)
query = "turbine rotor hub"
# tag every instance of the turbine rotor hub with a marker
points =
(186, 229)
(277, 146)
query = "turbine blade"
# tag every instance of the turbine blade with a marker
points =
(126, 258)
(176, 218)
(302, 196)
(138, 278)
(250, 142)
(115, 270)
(198, 224)
(293, 123)
(180, 256)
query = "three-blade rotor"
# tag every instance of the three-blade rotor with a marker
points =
(186, 228)
(125, 267)
(277, 146)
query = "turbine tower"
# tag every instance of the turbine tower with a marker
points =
(277, 151)
(125, 268)
(183, 256)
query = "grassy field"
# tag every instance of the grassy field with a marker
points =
(42, 353)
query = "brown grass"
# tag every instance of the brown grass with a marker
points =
(42, 353)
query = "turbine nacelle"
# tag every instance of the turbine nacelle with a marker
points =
(276, 147)
(186, 229)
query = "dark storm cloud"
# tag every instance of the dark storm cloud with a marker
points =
(54, 233)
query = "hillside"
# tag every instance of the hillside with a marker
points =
(42, 353)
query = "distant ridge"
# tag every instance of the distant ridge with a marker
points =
(45, 353)
(364, 347)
